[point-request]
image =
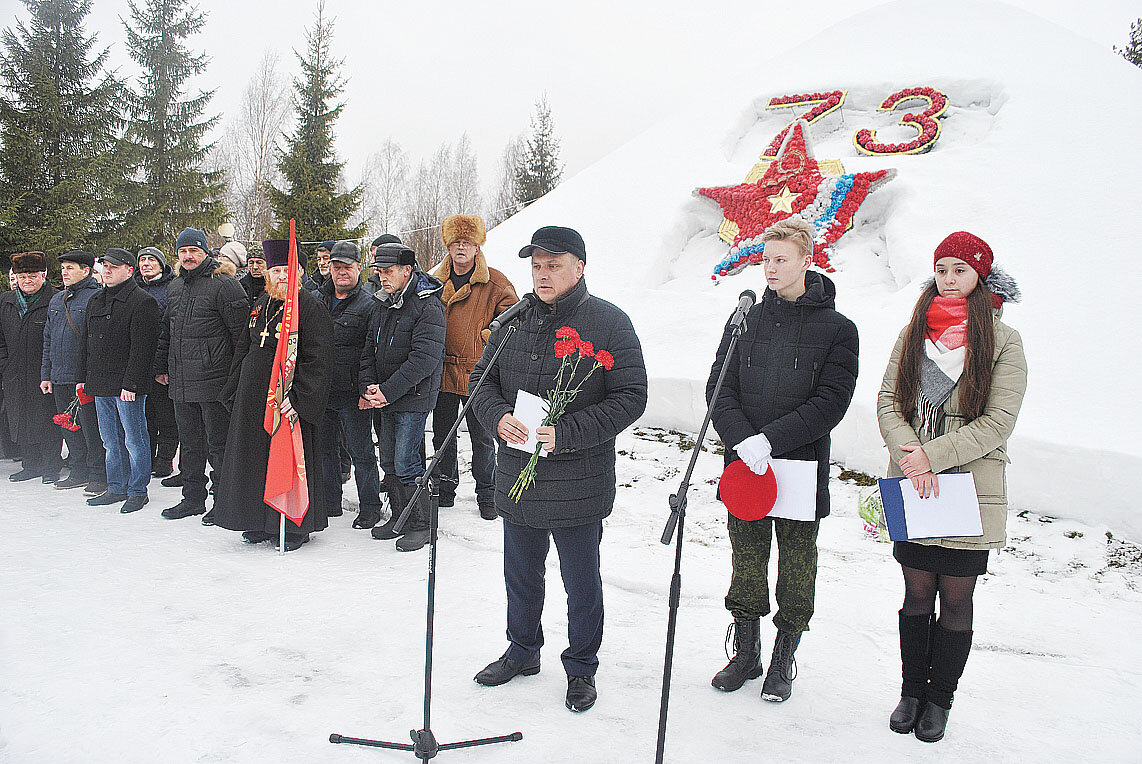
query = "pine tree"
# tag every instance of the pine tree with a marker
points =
(540, 171)
(309, 166)
(59, 114)
(170, 188)
(1133, 50)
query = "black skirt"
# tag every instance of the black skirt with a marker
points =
(941, 560)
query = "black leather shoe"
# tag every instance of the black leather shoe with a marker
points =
(931, 724)
(25, 474)
(257, 537)
(384, 531)
(446, 502)
(366, 520)
(174, 481)
(95, 487)
(504, 670)
(133, 504)
(71, 482)
(581, 693)
(185, 508)
(162, 468)
(778, 684)
(903, 719)
(412, 541)
(208, 518)
(106, 498)
(49, 478)
(745, 636)
(488, 511)
(293, 542)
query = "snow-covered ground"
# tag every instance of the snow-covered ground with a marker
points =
(136, 639)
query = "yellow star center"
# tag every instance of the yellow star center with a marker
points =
(782, 202)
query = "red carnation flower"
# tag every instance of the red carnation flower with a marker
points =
(61, 419)
(71, 427)
(586, 348)
(605, 359)
(84, 398)
(564, 348)
(566, 332)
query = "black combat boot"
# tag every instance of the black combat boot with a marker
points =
(915, 634)
(782, 668)
(746, 660)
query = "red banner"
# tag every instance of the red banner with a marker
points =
(286, 488)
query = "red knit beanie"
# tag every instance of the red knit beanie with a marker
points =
(967, 247)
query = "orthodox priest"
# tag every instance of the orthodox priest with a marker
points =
(239, 500)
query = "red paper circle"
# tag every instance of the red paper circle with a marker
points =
(748, 496)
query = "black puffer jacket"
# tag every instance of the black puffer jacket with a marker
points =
(575, 483)
(206, 314)
(119, 341)
(29, 411)
(404, 346)
(351, 318)
(792, 378)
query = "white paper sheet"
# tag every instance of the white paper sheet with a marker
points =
(529, 409)
(796, 489)
(955, 513)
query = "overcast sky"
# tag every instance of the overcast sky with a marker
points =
(425, 72)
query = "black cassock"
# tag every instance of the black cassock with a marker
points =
(238, 502)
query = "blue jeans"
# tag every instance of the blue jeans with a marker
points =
(525, 555)
(358, 426)
(402, 436)
(123, 427)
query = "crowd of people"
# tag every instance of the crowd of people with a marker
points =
(131, 365)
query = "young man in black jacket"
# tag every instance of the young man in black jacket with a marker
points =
(789, 384)
(352, 309)
(574, 488)
(401, 367)
(116, 365)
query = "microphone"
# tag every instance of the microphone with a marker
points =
(513, 312)
(748, 298)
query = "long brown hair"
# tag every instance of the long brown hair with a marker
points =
(975, 383)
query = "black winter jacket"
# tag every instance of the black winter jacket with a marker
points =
(67, 313)
(158, 287)
(404, 346)
(792, 378)
(206, 314)
(119, 341)
(29, 411)
(351, 319)
(575, 483)
(254, 286)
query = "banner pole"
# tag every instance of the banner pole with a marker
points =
(281, 535)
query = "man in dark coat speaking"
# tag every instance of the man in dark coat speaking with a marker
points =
(239, 501)
(574, 486)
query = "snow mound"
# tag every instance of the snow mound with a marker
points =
(1036, 155)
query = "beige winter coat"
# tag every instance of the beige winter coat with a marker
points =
(979, 446)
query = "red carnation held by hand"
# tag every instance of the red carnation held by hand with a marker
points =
(605, 359)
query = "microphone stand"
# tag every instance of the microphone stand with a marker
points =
(424, 745)
(678, 518)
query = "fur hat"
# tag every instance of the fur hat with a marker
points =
(29, 262)
(234, 252)
(470, 227)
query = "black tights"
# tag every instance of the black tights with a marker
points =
(920, 588)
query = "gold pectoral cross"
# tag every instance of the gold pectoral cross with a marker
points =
(264, 335)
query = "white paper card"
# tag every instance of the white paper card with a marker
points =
(529, 409)
(955, 513)
(796, 489)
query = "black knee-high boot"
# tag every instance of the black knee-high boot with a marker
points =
(915, 643)
(950, 650)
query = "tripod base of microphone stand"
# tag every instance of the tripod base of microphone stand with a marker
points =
(424, 745)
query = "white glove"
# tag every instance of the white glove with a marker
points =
(755, 452)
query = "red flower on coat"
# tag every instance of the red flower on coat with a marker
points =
(567, 333)
(564, 348)
(586, 348)
(605, 359)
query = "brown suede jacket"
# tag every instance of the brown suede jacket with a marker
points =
(468, 313)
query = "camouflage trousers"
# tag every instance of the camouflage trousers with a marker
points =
(796, 570)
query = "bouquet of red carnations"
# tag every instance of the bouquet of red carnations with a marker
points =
(67, 419)
(571, 350)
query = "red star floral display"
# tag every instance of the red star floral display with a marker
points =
(793, 184)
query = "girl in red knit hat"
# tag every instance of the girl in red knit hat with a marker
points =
(948, 403)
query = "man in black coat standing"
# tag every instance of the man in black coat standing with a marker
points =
(116, 365)
(29, 410)
(574, 488)
(240, 498)
(205, 318)
(345, 415)
(401, 367)
(789, 384)
(154, 275)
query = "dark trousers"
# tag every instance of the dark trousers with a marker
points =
(343, 416)
(483, 449)
(796, 570)
(202, 429)
(162, 427)
(525, 555)
(84, 448)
